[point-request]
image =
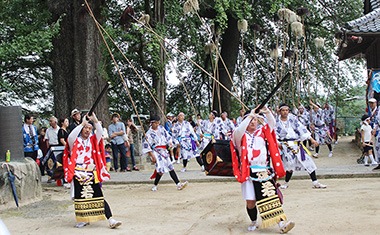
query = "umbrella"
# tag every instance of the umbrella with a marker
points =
(11, 178)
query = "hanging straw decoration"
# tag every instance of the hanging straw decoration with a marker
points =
(190, 6)
(144, 19)
(297, 29)
(293, 17)
(319, 42)
(274, 53)
(209, 48)
(283, 14)
(242, 26)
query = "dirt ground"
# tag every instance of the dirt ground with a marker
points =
(347, 206)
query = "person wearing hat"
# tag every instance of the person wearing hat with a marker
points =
(372, 111)
(321, 131)
(156, 143)
(253, 148)
(169, 123)
(116, 131)
(366, 139)
(76, 120)
(290, 135)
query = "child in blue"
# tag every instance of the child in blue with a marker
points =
(108, 154)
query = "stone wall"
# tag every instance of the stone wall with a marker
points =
(27, 182)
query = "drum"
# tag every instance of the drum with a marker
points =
(53, 162)
(217, 158)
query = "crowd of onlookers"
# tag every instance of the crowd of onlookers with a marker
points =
(118, 140)
(119, 136)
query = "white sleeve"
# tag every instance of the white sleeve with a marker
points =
(73, 135)
(98, 131)
(240, 131)
(270, 119)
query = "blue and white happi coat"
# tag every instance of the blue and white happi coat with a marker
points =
(290, 134)
(210, 130)
(329, 114)
(184, 135)
(228, 127)
(304, 118)
(321, 131)
(155, 141)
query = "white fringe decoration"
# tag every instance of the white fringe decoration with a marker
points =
(319, 42)
(144, 19)
(292, 17)
(209, 48)
(274, 53)
(242, 26)
(195, 4)
(190, 6)
(297, 28)
(187, 7)
(282, 13)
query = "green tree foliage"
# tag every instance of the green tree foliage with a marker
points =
(25, 44)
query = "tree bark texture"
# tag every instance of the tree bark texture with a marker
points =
(229, 53)
(77, 58)
(158, 77)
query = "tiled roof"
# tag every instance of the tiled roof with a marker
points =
(369, 23)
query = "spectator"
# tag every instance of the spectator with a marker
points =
(105, 136)
(41, 142)
(108, 155)
(52, 132)
(76, 116)
(367, 135)
(191, 121)
(169, 123)
(30, 137)
(116, 130)
(62, 132)
(131, 131)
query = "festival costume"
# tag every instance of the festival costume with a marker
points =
(184, 135)
(321, 130)
(156, 141)
(229, 127)
(329, 114)
(252, 169)
(210, 130)
(295, 155)
(85, 166)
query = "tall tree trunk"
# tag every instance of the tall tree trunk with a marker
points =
(229, 53)
(76, 58)
(158, 77)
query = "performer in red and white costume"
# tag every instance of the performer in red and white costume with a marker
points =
(85, 167)
(252, 140)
